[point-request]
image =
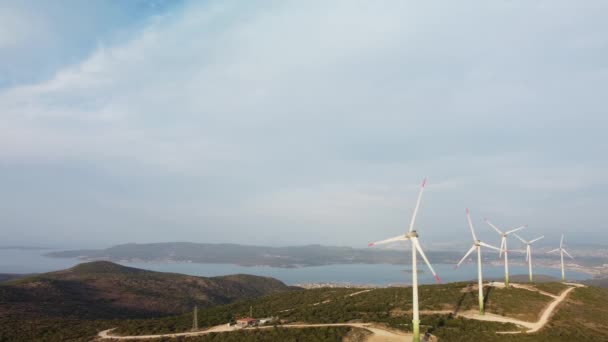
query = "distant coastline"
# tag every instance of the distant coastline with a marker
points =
(294, 257)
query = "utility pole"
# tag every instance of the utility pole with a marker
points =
(251, 311)
(195, 319)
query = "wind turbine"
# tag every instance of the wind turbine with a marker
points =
(476, 246)
(412, 236)
(529, 252)
(561, 252)
(503, 247)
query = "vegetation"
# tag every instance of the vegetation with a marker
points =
(104, 290)
(391, 306)
(582, 317)
(43, 330)
(516, 303)
(555, 288)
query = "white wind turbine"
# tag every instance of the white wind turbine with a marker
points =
(529, 252)
(503, 247)
(412, 236)
(476, 246)
(561, 252)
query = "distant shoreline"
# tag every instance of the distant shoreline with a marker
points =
(595, 274)
(588, 264)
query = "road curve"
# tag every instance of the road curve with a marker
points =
(531, 326)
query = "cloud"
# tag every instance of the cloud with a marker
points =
(318, 120)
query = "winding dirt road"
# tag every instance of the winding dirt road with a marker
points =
(379, 334)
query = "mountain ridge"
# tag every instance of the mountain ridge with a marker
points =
(244, 255)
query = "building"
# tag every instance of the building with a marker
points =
(266, 320)
(246, 322)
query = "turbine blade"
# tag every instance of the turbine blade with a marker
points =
(553, 250)
(466, 255)
(417, 245)
(522, 240)
(568, 254)
(471, 225)
(413, 220)
(538, 238)
(527, 253)
(393, 239)
(503, 241)
(561, 243)
(489, 246)
(493, 226)
(516, 229)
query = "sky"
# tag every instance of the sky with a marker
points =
(301, 122)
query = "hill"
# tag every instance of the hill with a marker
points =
(104, 290)
(11, 276)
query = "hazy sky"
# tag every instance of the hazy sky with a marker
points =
(297, 122)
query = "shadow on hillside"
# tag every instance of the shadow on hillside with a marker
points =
(486, 296)
(461, 299)
(56, 298)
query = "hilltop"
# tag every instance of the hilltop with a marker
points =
(103, 289)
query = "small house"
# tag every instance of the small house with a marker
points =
(246, 322)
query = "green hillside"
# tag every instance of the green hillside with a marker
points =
(104, 290)
(582, 316)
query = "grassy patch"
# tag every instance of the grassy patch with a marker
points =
(553, 288)
(515, 303)
(52, 329)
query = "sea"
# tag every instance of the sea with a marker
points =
(34, 261)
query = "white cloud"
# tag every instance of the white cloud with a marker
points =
(295, 113)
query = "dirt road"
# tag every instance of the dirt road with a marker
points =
(379, 334)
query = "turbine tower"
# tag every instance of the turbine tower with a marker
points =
(529, 252)
(476, 246)
(561, 252)
(503, 247)
(412, 236)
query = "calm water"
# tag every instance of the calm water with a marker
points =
(32, 261)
